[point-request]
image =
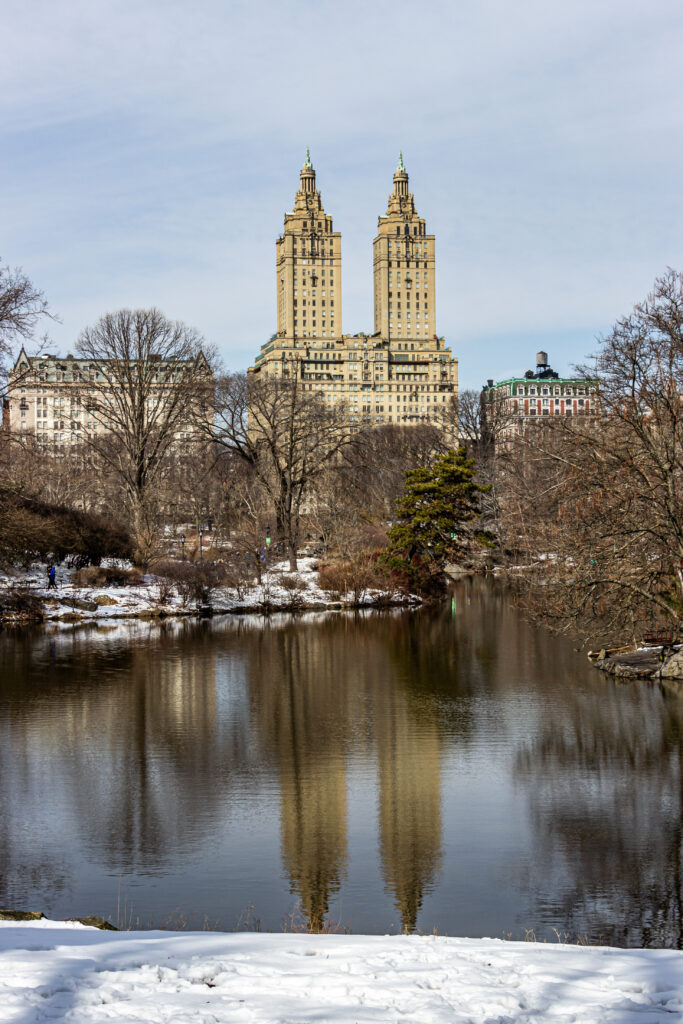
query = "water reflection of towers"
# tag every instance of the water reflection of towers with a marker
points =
(316, 693)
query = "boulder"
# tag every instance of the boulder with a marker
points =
(21, 915)
(673, 666)
(94, 921)
(102, 599)
(79, 602)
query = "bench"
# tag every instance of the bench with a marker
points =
(660, 637)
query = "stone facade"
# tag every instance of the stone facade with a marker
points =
(61, 401)
(403, 373)
(519, 402)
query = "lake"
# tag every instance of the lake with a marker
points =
(451, 768)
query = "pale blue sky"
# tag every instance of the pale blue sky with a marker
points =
(149, 150)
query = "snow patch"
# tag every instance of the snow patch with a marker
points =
(133, 601)
(61, 971)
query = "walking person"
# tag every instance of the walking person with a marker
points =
(51, 578)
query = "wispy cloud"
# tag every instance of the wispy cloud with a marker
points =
(148, 152)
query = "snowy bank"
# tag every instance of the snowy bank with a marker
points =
(60, 972)
(153, 596)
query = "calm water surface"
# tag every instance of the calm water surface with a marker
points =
(450, 768)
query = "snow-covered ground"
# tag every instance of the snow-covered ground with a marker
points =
(153, 596)
(53, 971)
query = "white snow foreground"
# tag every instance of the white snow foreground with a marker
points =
(56, 971)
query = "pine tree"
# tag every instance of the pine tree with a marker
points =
(433, 516)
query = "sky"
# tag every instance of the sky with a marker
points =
(149, 151)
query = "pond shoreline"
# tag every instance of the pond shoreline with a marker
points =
(208, 612)
(278, 590)
(654, 663)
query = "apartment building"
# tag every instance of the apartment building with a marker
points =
(402, 372)
(64, 401)
(516, 403)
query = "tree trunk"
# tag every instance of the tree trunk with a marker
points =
(144, 532)
(285, 524)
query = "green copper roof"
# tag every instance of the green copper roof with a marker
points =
(400, 169)
(307, 162)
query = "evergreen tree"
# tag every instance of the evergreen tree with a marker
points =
(433, 517)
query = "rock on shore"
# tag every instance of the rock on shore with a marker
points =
(643, 663)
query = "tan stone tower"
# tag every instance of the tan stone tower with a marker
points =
(402, 373)
(308, 266)
(403, 260)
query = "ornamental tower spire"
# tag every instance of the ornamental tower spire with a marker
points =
(403, 260)
(308, 266)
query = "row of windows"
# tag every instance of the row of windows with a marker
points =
(381, 387)
(554, 390)
(557, 402)
(558, 412)
(338, 357)
(424, 399)
(304, 291)
(312, 261)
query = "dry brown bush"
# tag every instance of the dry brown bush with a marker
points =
(111, 576)
(194, 581)
(291, 583)
(354, 577)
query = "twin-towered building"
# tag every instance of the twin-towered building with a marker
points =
(402, 372)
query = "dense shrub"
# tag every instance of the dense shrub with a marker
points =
(354, 578)
(20, 600)
(110, 576)
(295, 588)
(415, 575)
(194, 581)
(292, 584)
(31, 529)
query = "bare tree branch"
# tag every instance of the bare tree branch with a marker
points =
(286, 433)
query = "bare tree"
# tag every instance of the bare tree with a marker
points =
(338, 516)
(489, 431)
(602, 498)
(150, 390)
(22, 306)
(373, 468)
(286, 433)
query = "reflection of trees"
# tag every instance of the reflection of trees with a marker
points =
(119, 737)
(604, 782)
(124, 737)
